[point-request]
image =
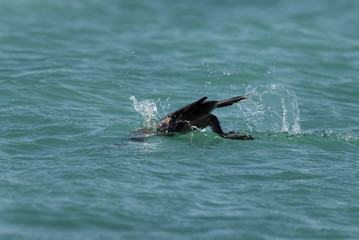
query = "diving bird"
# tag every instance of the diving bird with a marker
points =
(196, 116)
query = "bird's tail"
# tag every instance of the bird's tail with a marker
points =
(230, 101)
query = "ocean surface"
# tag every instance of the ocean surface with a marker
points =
(78, 78)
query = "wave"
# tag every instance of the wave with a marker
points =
(337, 135)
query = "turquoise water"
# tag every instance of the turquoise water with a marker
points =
(79, 77)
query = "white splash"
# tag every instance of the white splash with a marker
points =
(271, 108)
(148, 109)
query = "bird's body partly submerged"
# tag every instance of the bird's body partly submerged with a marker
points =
(196, 116)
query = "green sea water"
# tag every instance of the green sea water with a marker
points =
(77, 78)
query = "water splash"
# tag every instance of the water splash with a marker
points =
(148, 109)
(271, 108)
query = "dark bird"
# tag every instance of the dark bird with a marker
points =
(196, 116)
